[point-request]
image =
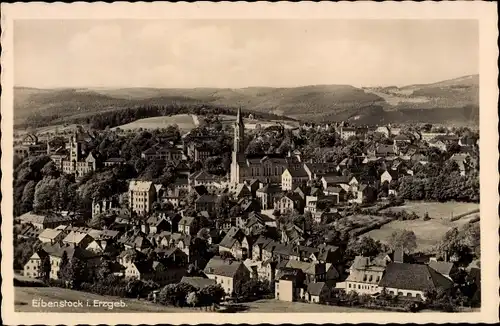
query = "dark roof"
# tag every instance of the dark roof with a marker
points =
(198, 282)
(298, 172)
(58, 250)
(232, 236)
(221, 267)
(336, 179)
(315, 288)
(206, 199)
(441, 267)
(413, 277)
(270, 189)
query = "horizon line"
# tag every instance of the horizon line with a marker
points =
(215, 87)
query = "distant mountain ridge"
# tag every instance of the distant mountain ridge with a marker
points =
(453, 101)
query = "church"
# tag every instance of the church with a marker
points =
(265, 168)
(78, 162)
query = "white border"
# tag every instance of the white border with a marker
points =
(482, 11)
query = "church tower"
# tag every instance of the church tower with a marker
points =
(239, 133)
(238, 147)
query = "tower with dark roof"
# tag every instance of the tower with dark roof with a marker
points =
(238, 146)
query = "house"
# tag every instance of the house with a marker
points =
(211, 181)
(326, 254)
(241, 191)
(77, 239)
(314, 271)
(412, 280)
(112, 161)
(347, 132)
(364, 275)
(206, 203)
(288, 286)
(257, 223)
(267, 195)
(332, 180)
(198, 282)
(34, 266)
(103, 206)
(292, 234)
(141, 196)
(190, 225)
(291, 178)
(51, 236)
(45, 221)
(289, 202)
(228, 273)
(237, 243)
(366, 194)
(29, 140)
(28, 231)
(442, 267)
(56, 252)
(463, 161)
(318, 292)
(317, 170)
(156, 224)
(338, 194)
(388, 176)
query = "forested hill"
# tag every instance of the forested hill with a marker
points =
(453, 101)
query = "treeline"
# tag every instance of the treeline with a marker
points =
(120, 116)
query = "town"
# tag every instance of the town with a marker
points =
(223, 215)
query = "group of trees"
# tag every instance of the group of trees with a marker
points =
(461, 245)
(440, 183)
(184, 294)
(39, 186)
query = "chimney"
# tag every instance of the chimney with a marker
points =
(399, 255)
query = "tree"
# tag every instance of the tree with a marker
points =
(222, 206)
(45, 273)
(28, 196)
(50, 170)
(192, 299)
(44, 195)
(63, 267)
(211, 294)
(366, 247)
(403, 238)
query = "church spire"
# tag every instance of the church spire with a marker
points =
(239, 118)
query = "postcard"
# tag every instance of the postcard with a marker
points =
(249, 163)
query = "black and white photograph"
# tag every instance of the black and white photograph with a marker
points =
(234, 166)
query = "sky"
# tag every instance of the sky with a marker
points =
(242, 53)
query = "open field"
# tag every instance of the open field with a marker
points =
(436, 210)
(428, 233)
(184, 121)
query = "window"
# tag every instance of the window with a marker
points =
(400, 293)
(27, 267)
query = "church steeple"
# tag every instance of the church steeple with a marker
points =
(239, 118)
(239, 133)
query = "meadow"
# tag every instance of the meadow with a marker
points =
(186, 122)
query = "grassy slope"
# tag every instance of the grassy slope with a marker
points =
(430, 232)
(23, 297)
(452, 101)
